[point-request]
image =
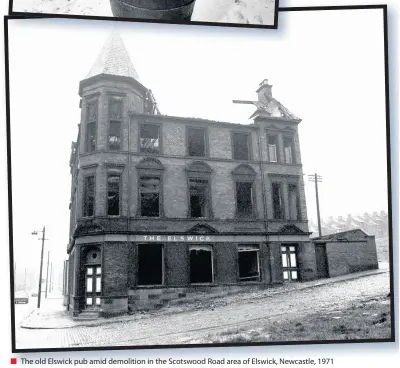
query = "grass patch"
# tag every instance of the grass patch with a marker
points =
(369, 319)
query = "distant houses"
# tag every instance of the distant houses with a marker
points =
(373, 224)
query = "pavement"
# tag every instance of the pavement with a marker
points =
(53, 315)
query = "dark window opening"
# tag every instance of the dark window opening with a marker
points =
(197, 142)
(198, 198)
(249, 266)
(149, 138)
(272, 148)
(277, 201)
(113, 195)
(201, 265)
(114, 138)
(241, 149)
(90, 137)
(88, 196)
(289, 150)
(294, 208)
(150, 196)
(150, 259)
(244, 200)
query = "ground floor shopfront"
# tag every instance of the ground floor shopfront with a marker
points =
(121, 273)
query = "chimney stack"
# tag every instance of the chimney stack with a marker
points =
(264, 91)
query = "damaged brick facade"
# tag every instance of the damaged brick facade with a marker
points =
(162, 205)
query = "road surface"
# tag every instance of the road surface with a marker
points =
(184, 327)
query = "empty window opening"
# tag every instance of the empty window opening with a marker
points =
(90, 137)
(201, 268)
(241, 149)
(249, 263)
(198, 198)
(114, 138)
(88, 196)
(294, 208)
(244, 198)
(149, 138)
(197, 142)
(289, 263)
(91, 120)
(277, 201)
(150, 259)
(272, 148)
(150, 196)
(113, 195)
(289, 151)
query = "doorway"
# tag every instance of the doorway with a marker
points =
(322, 261)
(93, 287)
(201, 264)
(289, 262)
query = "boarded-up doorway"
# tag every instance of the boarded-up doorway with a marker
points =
(322, 261)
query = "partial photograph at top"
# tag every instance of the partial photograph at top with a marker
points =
(261, 13)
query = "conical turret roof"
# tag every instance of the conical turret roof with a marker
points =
(114, 59)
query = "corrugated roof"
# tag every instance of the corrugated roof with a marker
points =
(114, 59)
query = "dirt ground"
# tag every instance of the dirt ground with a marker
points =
(230, 11)
(202, 322)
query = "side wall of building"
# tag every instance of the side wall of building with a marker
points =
(347, 257)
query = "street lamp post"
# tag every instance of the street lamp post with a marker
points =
(41, 263)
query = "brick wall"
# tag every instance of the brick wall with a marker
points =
(307, 261)
(346, 257)
(174, 147)
(176, 264)
(115, 268)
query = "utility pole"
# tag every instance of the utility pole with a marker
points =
(317, 179)
(41, 263)
(47, 273)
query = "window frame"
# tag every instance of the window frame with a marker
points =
(283, 202)
(207, 186)
(274, 134)
(119, 120)
(160, 134)
(85, 178)
(296, 185)
(150, 167)
(199, 170)
(245, 173)
(160, 196)
(93, 122)
(251, 248)
(249, 137)
(206, 144)
(289, 267)
(113, 173)
(292, 149)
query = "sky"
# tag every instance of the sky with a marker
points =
(332, 79)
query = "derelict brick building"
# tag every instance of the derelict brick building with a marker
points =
(163, 204)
